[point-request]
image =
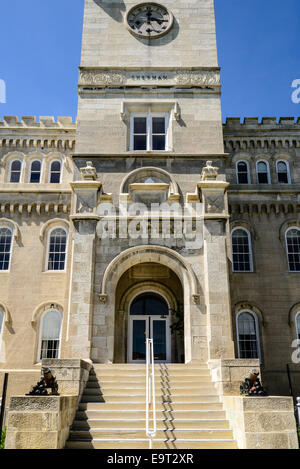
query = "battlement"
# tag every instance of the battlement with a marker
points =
(45, 122)
(264, 123)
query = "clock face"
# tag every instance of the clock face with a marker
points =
(149, 20)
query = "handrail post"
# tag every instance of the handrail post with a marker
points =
(150, 391)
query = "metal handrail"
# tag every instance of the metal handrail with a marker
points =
(150, 392)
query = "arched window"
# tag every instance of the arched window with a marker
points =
(15, 171)
(293, 249)
(57, 248)
(50, 335)
(1, 322)
(5, 248)
(263, 174)
(55, 170)
(35, 172)
(282, 172)
(241, 251)
(298, 325)
(248, 337)
(242, 173)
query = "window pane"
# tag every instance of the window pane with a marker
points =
(15, 171)
(242, 173)
(140, 142)
(247, 336)
(293, 250)
(1, 321)
(140, 125)
(282, 172)
(5, 248)
(263, 178)
(283, 178)
(158, 142)
(57, 250)
(241, 254)
(55, 172)
(35, 172)
(298, 326)
(158, 125)
(150, 305)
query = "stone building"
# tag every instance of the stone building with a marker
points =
(93, 210)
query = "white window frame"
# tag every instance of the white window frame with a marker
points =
(250, 251)
(48, 249)
(30, 170)
(237, 172)
(149, 116)
(49, 175)
(256, 330)
(287, 250)
(297, 323)
(41, 333)
(268, 171)
(288, 171)
(10, 171)
(11, 247)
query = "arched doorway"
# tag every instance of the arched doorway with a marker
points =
(149, 317)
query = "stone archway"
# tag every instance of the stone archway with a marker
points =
(157, 255)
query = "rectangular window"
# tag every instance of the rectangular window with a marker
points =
(49, 349)
(149, 132)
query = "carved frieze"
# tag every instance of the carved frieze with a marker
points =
(178, 78)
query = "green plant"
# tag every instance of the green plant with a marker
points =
(2, 441)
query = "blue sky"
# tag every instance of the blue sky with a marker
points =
(258, 42)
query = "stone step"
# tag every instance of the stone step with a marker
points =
(140, 380)
(135, 434)
(141, 414)
(162, 424)
(178, 406)
(142, 366)
(144, 444)
(159, 391)
(89, 396)
(142, 373)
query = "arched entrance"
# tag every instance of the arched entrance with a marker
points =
(149, 317)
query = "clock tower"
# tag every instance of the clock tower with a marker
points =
(149, 130)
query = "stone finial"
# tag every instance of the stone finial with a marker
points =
(89, 173)
(209, 172)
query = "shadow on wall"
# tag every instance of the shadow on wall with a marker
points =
(113, 8)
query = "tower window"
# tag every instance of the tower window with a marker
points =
(242, 173)
(247, 329)
(263, 173)
(293, 249)
(35, 172)
(15, 171)
(241, 251)
(55, 171)
(50, 335)
(298, 325)
(282, 172)
(57, 249)
(5, 248)
(149, 132)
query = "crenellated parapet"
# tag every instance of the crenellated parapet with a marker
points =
(268, 134)
(45, 133)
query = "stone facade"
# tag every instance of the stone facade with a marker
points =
(176, 75)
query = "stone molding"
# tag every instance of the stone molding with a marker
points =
(178, 78)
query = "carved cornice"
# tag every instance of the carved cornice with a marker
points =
(177, 78)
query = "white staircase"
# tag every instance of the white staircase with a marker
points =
(112, 413)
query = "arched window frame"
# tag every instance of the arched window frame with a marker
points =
(288, 171)
(2, 320)
(56, 160)
(268, 171)
(250, 250)
(5, 227)
(41, 322)
(57, 227)
(287, 250)
(297, 323)
(257, 330)
(237, 171)
(10, 170)
(30, 170)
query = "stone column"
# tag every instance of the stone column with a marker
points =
(217, 290)
(85, 218)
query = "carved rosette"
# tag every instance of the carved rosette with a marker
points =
(102, 78)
